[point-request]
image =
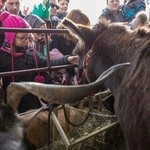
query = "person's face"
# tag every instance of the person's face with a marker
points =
(113, 5)
(22, 39)
(63, 6)
(2, 3)
(53, 9)
(13, 6)
(40, 36)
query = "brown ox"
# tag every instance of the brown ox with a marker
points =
(112, 44)
(133, 102)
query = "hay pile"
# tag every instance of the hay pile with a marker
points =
(111, 139)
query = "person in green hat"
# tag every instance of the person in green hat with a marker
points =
(42, 10)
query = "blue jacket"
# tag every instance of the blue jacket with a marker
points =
(131, 8)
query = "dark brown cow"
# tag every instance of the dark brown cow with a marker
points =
(112, 44)
(133, 102)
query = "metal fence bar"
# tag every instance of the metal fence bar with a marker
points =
(37, 30)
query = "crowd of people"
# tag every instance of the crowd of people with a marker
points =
(22, 51)
(127, 13)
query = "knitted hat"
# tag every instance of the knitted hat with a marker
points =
(34, 20)
(12, 21)
(55, 54)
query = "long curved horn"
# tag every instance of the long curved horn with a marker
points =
(60, 94)
(113, 69)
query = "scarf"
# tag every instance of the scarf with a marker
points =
(16, 51)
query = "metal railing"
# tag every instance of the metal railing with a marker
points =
(37, 30)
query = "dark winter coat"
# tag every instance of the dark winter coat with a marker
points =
(60, 16)
(55, 20)
(113, 17)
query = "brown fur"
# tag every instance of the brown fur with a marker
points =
(36, 131)
(112, 44)
(132, 103)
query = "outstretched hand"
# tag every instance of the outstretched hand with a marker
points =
(44, 2)
(73, 59)
(25, 10)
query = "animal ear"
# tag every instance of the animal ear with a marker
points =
(80, 31)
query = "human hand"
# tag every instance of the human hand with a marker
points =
(44, 2)
(25, 10)
(73, 59)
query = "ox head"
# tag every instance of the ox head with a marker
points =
(87, 37)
